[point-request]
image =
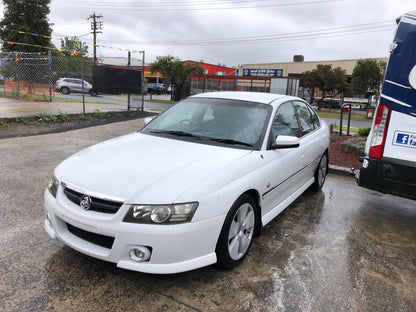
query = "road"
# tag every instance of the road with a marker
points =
(135, 100)
(13, 109)
(344, 248)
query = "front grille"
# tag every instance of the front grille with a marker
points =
(97, 239)
(97, 204)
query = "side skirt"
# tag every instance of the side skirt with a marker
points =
(284, 204)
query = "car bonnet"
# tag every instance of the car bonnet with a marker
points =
(139, 168)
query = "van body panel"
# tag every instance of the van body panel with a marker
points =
(395, 172)
(401, 137)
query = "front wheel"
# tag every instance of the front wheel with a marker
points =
(321, 172)
(237, 233)
(65, 90)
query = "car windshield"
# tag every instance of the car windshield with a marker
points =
(241, 124)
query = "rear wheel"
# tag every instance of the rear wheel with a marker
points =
(321, 172)
(65, 90)
(237, 232)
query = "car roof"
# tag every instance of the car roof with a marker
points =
(259, 97)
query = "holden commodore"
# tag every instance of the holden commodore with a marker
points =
(193, 187)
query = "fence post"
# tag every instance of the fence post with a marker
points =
(82, 80)
(128, 67)
(50, 75)
(143, 82)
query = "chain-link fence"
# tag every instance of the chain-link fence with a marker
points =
(30, 78)
(26, 74)
(36, 73)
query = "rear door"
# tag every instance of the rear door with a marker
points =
(312, 142)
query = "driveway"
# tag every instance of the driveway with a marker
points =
(342, 249)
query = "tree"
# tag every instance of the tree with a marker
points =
(68, 60)
(367, 75)
(21, 19)
(176, 71)
(326, 79)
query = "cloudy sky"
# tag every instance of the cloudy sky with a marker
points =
(233, 32)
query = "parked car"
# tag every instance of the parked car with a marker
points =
(331, 103)
(154, 88)
(68, 85)
(194, 186)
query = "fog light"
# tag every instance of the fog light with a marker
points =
(139, 253)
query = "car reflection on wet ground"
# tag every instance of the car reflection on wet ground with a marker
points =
(342, 249)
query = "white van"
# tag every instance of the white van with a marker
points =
(389, 165)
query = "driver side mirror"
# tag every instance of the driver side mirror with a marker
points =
(286, 141)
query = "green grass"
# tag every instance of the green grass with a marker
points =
(59, 99)
(163, 101)
(354, 116)
(352, 129)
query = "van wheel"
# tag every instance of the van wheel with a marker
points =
(93, 93)
(321, 172)
(237, 233)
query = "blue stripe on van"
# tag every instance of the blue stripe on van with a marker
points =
(396, 91)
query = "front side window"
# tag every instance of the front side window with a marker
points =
(285, 122)
(306, 121)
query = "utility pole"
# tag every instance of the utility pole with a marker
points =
(96, 28)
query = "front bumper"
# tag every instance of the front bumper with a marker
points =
(390, 176)
(175, 248)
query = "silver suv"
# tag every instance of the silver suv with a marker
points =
(68, 85)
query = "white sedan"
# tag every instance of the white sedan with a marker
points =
(193, 187)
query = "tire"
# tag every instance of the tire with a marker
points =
(321, 172)
(93, 93)
(65, 90)
(237, 232)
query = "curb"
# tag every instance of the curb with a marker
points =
(342, 171)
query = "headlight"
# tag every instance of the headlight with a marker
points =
(53, 186)
(161, 214)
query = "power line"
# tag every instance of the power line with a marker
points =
(69, 24)
(174, 6)
(303, 35)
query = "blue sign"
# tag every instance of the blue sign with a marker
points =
(404, 139)
(263, 72)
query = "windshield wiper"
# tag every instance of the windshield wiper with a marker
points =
(231, 141)
(187, 134)
(177, 133)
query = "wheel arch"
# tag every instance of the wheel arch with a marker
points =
(257, 199)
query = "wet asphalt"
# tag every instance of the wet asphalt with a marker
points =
(341, 249)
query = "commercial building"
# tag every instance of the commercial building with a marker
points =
(294, 69)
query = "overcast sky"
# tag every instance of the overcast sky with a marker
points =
(233, 32)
